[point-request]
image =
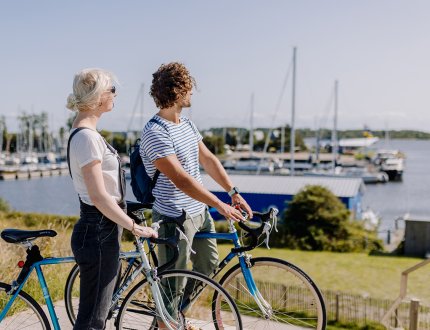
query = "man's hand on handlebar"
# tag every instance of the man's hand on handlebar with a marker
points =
(230, 213)
(237, 199)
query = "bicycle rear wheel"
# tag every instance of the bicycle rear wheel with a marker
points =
(187, 297)
(25, 312)
(293, 298)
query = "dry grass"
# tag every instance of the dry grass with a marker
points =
(58, 246)
(355, 273)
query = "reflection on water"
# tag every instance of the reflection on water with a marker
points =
(391, 200)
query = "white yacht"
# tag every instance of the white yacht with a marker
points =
(391, 162)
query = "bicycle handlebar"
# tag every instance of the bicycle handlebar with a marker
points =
(171, 242)
(255, 233)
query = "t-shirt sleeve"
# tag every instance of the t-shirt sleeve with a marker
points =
(87, 148)
(156, 144)
(196, 131)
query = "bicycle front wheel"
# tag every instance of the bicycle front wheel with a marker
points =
(72, 288)
(25, 312)
(186, 298)
(284, 295)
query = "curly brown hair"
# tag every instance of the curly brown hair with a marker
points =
(169, 83)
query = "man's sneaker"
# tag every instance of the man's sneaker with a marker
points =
(190, 326)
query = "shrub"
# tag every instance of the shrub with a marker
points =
(317, 220)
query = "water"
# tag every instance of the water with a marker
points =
(56, 195)
(411, 195)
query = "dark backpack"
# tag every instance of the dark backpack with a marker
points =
(141, 183)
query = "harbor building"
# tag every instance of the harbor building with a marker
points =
(265, 191)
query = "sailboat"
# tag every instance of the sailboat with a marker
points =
(336, 170)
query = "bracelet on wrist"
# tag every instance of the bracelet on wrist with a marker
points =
(132, 228)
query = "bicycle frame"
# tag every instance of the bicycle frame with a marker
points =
(244, 265)
(37, 266)
(144, 268)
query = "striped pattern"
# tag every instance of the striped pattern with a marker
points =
(158, 142)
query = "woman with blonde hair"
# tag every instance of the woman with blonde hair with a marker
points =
(95, 168)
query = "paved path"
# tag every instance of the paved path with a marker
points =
(63, 319)
(65, 324)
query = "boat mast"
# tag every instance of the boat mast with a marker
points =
(334, 132)
(251, 129)
(293, 106)
(141, 104)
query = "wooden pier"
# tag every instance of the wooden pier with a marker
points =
(20, 174)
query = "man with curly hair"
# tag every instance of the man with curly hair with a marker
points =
(172, 145)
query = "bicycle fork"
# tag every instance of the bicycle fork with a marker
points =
(262, 304)
(154, 280)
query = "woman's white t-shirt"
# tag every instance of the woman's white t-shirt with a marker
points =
(86, 146)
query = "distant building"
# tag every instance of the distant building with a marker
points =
(417, 237)
(265, 191)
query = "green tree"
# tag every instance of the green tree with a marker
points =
(119, 143)
(215, 144)
(317, 220)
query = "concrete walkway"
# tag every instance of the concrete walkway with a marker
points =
(60, 310)
(248, 322)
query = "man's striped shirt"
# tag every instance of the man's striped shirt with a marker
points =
(161, 139)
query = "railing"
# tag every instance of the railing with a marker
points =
(347, 308)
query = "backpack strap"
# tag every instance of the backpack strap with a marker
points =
(157, 171)
(156, 121)
(68, 146)
(112, 149)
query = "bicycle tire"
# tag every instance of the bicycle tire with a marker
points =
(138, 309)
(28, 313)
(71, 291)
(293, 297)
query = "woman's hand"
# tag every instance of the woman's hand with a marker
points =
(141, 231)
(230, 212)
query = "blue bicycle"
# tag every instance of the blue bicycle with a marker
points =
(18, 309)
(270, 293)
(156, 298)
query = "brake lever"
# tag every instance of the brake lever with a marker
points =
(184, 237)
(274, 216)
(266, 230)
(268, 226)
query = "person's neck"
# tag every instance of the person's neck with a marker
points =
(172, 114)
(84, 119)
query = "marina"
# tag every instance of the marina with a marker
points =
(34, 165)
(55, 194)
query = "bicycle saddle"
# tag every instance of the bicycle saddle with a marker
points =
(18, 235)
(135, 206)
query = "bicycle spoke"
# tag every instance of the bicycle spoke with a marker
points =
(24, 313)
(292, 299)
(176, 288)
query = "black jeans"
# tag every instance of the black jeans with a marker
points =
(96, 246)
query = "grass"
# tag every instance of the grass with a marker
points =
(55, 275)
(355, 273)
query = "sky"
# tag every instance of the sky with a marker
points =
(377, 50)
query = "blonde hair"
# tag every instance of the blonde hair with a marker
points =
(88, 87)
